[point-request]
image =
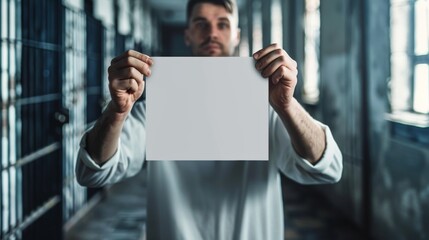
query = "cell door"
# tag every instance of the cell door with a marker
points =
(31, 150)
(43, 99)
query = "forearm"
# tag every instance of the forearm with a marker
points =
(102, 140)
(308, 138)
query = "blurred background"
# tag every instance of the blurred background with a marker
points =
(364, 71)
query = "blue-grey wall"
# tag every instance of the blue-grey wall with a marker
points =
(385, 184)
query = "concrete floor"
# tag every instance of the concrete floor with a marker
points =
(308, 216)
(122, 215)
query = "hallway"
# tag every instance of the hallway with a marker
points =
(121, 215)
(309, 216)
(362, 70)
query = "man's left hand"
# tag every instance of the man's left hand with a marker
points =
(275, 64)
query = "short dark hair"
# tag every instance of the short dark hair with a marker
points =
(229, 5)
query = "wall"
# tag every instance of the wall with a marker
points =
(384, 188)
(399, 162)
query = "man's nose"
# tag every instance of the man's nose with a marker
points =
(213, 31)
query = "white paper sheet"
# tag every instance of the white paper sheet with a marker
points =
(206, 108)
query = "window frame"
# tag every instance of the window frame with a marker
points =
(413, 59)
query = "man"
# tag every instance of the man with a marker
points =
(215, 199)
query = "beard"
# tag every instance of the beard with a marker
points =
(211, 47)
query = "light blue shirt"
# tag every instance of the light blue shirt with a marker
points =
(212, 199)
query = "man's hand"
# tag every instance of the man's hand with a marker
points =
(308, 138)
(126, 83)
(281, 70)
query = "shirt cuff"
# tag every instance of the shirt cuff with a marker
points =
(327, 157)
(90, 163)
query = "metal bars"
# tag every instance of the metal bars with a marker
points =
(74, 100)
(11, 210)
(53, 84)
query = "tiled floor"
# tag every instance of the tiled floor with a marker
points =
(122, 215)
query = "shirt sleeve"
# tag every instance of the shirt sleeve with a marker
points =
(128, 159)
(327, 170)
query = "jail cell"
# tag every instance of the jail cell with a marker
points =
(74, 102)
(31, 145)
(11, 174)
(95, 44)
(109, 54)
(45, 96)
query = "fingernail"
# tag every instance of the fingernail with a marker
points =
(256, 55)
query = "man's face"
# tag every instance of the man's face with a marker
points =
(212, 31)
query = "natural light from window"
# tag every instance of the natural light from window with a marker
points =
(421, 88)
(422, 27)
(312, 43)
(409, 56)
(276, 19)
(421, 49)
(257, 27)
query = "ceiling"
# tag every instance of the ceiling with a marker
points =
(174, 11)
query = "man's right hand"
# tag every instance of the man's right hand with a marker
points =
(126, 83)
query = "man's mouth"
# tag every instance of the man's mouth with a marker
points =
(211, 46)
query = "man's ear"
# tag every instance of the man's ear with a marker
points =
(187, 41)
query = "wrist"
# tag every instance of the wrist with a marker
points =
(115, 116)
(287, 110)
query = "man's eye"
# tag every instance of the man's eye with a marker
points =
(223, 25)
(201, 25)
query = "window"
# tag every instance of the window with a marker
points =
(311, 51)
(257, 26)
(276, 20)
(409, 85)
(421, 62)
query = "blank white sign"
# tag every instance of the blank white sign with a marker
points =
(206, 108)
